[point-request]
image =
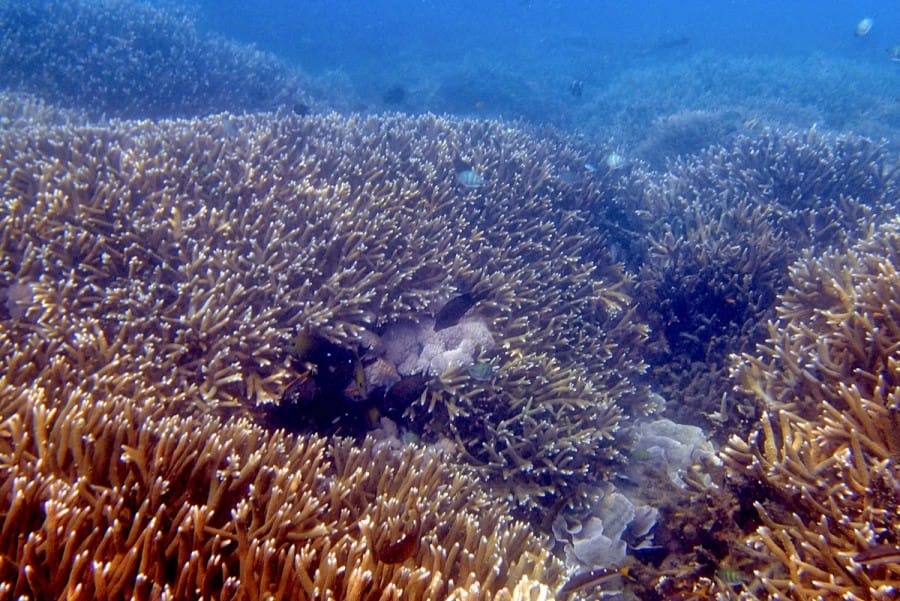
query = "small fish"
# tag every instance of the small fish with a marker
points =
(452, 312)
(864, 27)
(641, 455)
(399, 551)
(229, 128)
(303, 347)
(356, 389)
(569, 177)
(394, 95)
(576, 88)
(663, 45)
(470, 178)
(403, 394)
(481, 371)
(878, 555)
(590, 580)
(894, 53)
(373, 417)
(729, 575)
(614, 160)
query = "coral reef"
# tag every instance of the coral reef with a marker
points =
(187, 255)
(822, 463)
(675, 448)
(727, 224)
(20, 111)
(777, 91)
(594, 537)
(103, 497)
(134, 59)
(686, 133)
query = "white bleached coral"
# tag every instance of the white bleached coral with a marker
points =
(676, 447)
(418, 348)
(595, 538)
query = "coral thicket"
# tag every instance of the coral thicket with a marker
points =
(188, 255)
(102, 497)
(824, 460)
(722, 229)
(128, 58)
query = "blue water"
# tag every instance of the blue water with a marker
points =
(564, 35)
(603, 68)
(606, 70)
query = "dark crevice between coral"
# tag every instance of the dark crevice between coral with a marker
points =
(330, 394)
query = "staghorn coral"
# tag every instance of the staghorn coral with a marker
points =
(185, 255)
(19, 111)
(790, 92)
(706, 290)
(825, 452)
(103, 497)
(133, 59)
(728, 223)
(686, 133)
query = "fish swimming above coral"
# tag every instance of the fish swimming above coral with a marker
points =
(664, 45)
(450, 314)
(864, 27)
(469, 178)
(893, 53)
(481, 371)
(329, 391)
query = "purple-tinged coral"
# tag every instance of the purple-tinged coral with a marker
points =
(134, 59)
(594, 536)
(188, 257)
(727, 223)
(675, 448)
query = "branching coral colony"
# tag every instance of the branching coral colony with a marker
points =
(263, 280)
(244, 265)
(133, 59)
(824, 458)
(102, 497)
(725, 227)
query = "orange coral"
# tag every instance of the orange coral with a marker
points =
(103, 498)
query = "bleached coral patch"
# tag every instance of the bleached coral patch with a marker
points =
(416, 348)
(676, 447)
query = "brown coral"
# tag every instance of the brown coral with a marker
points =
(102, 497)
(728, 223)
(826, 448)
(185, 256)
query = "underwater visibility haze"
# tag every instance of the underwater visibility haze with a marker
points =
(514, 300)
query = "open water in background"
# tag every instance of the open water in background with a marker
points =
(544, 35)
(598, 67)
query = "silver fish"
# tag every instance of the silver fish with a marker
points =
(864, 27)
(470, 178)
